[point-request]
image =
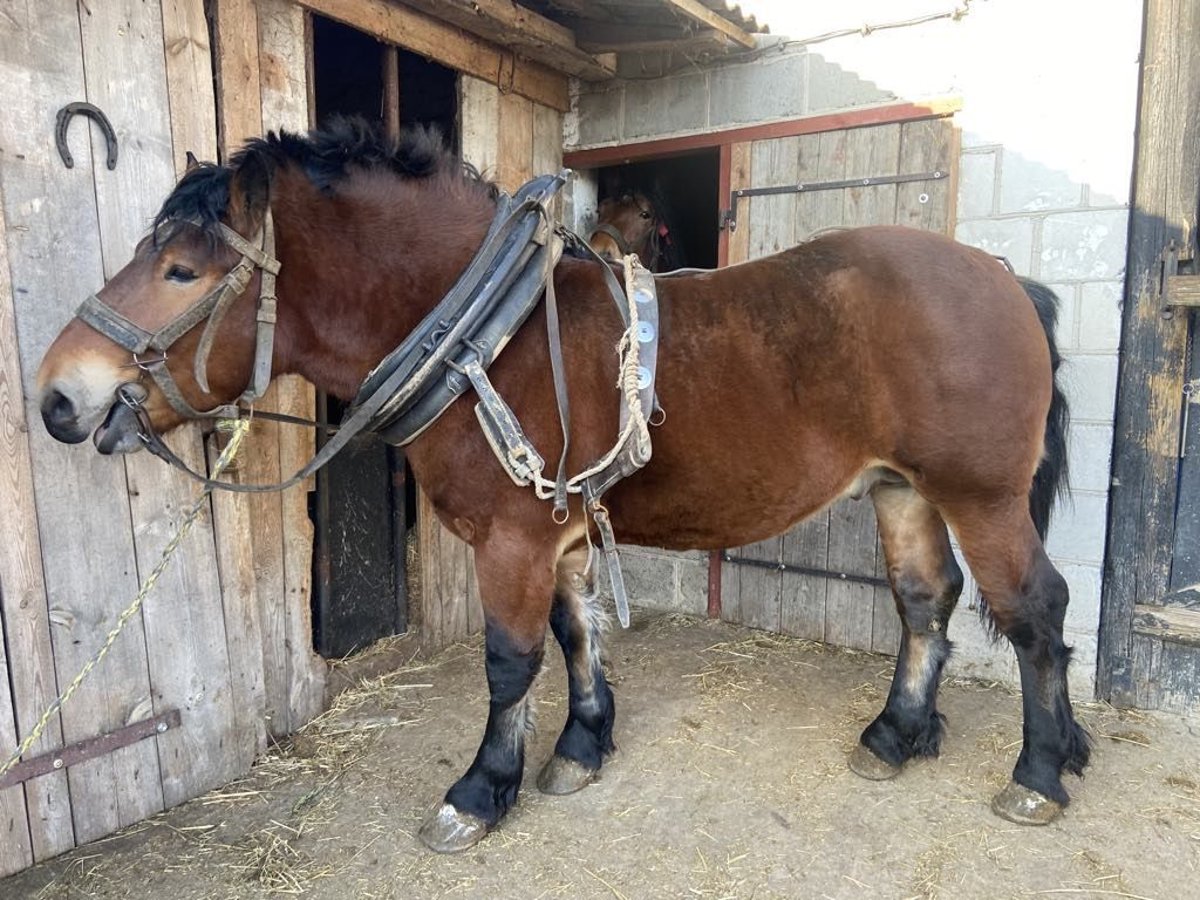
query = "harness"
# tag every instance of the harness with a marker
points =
(449, 351)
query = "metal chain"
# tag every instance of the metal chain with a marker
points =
(238, 430)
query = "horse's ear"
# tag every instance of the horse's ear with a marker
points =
(249, 194)
(192, 162)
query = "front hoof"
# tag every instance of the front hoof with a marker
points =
(864, 763)
(564, 776)
(1025, 806)
(451, 831)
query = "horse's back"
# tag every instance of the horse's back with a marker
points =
(786, 377)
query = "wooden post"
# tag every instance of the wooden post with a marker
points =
(1153, 348)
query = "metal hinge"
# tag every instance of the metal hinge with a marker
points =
(728, 217)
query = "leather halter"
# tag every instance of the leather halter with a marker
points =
(211, 307)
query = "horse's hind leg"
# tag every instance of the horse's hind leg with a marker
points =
(516, 598)
(926, 582)
(578, 623)
(1027, 600)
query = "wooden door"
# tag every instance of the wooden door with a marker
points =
(825, 579)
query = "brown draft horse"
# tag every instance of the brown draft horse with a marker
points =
(882, 361)
(631, 222)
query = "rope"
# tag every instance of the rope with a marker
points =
(627, 384)
(238, 430)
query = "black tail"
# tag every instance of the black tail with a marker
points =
(1050, 480)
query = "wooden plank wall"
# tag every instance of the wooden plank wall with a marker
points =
(509, 139)
(842, 538)
(262, 85)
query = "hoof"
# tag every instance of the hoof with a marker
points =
(1025, 806)
(451, 831)
(564, 776)
(864, 763)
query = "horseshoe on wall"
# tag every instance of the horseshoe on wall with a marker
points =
(92, 112)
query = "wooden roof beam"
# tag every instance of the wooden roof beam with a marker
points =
(518, 28)
(694, 9)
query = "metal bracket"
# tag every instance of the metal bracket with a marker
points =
(729, 215)
(58, 760)
(872, 580)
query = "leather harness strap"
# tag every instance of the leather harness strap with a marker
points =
(449, 351)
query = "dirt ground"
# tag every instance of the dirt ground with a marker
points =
(730, 782)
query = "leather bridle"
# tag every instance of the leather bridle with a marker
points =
(211, 307)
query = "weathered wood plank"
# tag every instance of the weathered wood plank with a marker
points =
(479, 124)
(515, 165)
(741, 175)
(54, 257)
(696, 10)
(448, 45)
(1183, 290)
(20, 576)
(772, 218)
(284, 85)
(235, 567)
(927, 146)
(188, 660)
(42, 805)
(16, 849)
(871, 152)
(1169, 623)
(759, 589)
(239, 105)
(189, 81)
(1153, 348)
(508, 24)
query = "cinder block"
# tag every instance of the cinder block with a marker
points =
(1030, 186)
(599, 117)
(1085, 246)
(976, 185)
(649, 579)
(1100, 315)
(1083, 612)
(669, 106)
(1068, 315)
(1081, 677)
(1077, 529)
(1089, 452)
(1090, 383)
(692, 595)
(832, 87)
(1011, 238)
(757, 92)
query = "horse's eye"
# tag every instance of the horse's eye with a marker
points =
(644, 214)
(180, 273)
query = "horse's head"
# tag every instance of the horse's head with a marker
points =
(628, 223)
(185, 305)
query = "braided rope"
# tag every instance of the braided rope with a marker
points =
(238, 430)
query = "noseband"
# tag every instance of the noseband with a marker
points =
(212, 306)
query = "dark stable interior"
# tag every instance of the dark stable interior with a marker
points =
(685, 189)
(365, 501)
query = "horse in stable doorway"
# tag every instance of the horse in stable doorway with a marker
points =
(880, 362)
(636, 221)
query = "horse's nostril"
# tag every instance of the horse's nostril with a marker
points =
(58, 411)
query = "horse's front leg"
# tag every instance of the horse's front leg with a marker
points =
(515, 586)
(579, 622)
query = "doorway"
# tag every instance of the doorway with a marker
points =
(683, 189)
(364, 506)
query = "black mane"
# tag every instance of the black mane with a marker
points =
(326, 155)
